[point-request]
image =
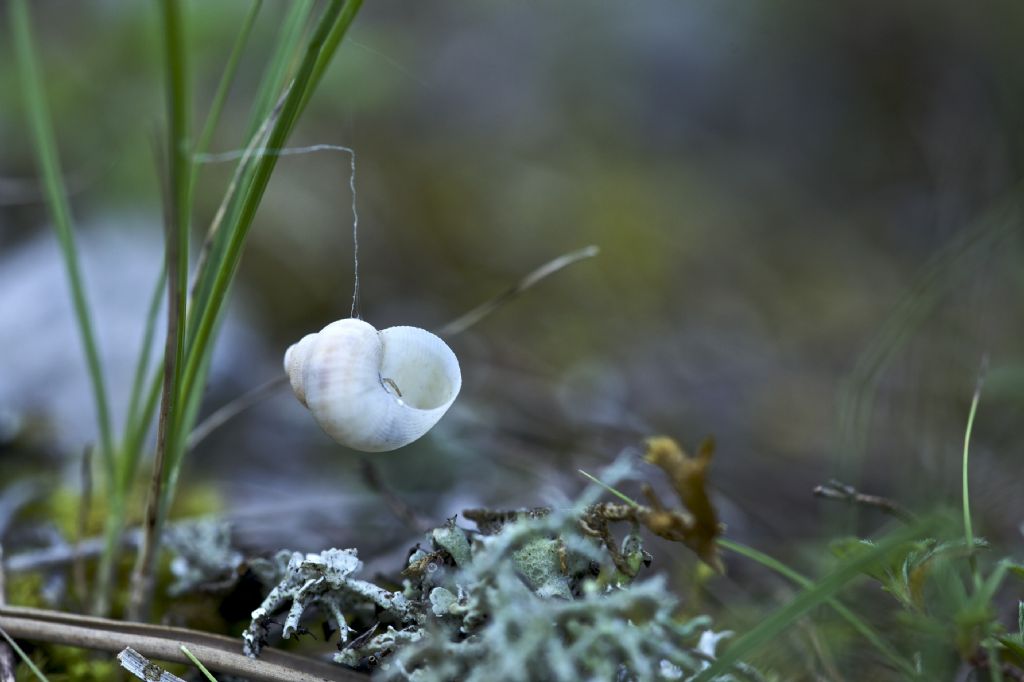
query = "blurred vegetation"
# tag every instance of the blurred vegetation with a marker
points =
(810, 238)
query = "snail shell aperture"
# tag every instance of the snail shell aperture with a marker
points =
(373, 390)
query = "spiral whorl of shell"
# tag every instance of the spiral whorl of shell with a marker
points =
(373, 391)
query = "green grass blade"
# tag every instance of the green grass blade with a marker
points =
(136, 427)
(179, 205)
(966, 495)
(277, 74)
(775, 624)
(944, 271)
(190, 414)
(264, 166)
(331, 44)
(45, 146)
(136, 438)
(24, 657)
(865, 630)
(178, 211)
(226, 79)
(859, 625)
(983, 591)
(286, 54)
(197, 663)
(215, 242)
(180, 159)
(622, 496)
(135, 409)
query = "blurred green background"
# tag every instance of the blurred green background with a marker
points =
(807, 215)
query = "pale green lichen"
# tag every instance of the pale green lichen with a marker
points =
(204, 557)
(325, 580)
(442, 602)
(531, 595)
(540, 562)
(452, 539)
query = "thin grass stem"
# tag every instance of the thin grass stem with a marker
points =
(865, 630)
(338, 31)
(6, 653)
(141, 428)
(197, 663)
(286, 54)
(774, 625)
(84, 512)
(232, 409)
(622, 496)
(23, 656)
(135, 409)
(177, 228)
(965, 492)
(45, 146)
(226, 80)
(475, 315)
(228, 205)
(859, 625)
(261, 176)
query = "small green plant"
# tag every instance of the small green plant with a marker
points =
(947, 596)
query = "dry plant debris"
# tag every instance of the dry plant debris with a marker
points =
(141, 667)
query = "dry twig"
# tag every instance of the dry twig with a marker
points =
(461, 324)
(6, 655)
(836, 490)
(232, 409)
(163, 643)
(142, 573)
(140, 666)
(60, 554)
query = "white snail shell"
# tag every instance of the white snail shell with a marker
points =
(373, 390)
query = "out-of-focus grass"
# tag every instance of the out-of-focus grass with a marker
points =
(40, 123)
(46, 152)
(29, 663)
(865, 630)
(820, 592)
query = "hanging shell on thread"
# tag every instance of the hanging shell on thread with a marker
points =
(373, 390)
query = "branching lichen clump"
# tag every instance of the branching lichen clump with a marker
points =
(533, 594)
(325, 580)
(530, 607)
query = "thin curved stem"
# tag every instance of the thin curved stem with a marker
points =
(467, 320)
(965, 491)
(232, 409)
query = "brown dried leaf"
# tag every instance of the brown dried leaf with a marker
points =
(688, 475)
